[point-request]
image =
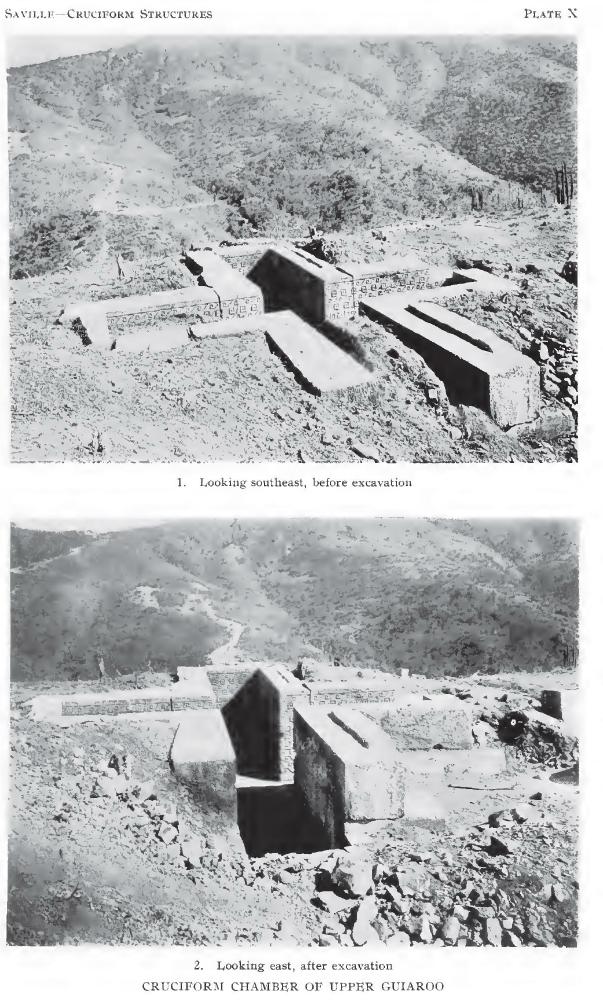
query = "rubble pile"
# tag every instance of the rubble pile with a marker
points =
(558, 362)
(158, 825)
(484, 893)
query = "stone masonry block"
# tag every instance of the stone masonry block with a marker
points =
(414, 723)
(202, 757)
(312, 288)
(346, 769)
(477, 367)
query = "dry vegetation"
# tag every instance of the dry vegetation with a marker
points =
(130, 147)
(459, 598)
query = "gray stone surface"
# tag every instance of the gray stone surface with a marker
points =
(477, 367)
(201, 755)
(414, 723)
(320, 364)
(346, 768)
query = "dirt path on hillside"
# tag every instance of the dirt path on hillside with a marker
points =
(46, 562)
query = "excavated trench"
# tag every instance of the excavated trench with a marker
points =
(273, 815)
(274, 819)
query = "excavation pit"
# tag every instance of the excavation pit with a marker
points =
(273, 819)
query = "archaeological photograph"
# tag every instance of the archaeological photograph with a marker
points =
(288, 249)
(280, 732)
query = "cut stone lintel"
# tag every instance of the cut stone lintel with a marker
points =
(477, 367)
(201, 755)
(346, 767)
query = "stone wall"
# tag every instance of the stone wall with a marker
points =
(243, 258)
(181, 697)
(320, 774)
(117, 703)
(393, 274)
(354, 691)
(381, 284)
(193, 310)
(227, 680)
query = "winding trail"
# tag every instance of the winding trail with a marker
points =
(224, 653)
(46, 562)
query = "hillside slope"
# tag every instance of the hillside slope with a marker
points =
(111, 149)
(435, 596)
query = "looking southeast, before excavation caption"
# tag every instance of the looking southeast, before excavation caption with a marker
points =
(276, 482)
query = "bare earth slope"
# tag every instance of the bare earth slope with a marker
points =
(130, 146)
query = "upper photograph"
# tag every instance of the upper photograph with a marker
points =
(293, 250)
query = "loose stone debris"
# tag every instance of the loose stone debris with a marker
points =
(316, 796)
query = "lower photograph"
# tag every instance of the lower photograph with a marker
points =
(314, 732)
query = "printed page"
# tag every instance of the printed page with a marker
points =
(300, 647)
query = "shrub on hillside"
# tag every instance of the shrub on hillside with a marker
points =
(58, 241)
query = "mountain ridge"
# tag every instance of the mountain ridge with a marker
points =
(110, 148)
(433, 596)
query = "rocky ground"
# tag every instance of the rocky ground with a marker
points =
(107, 847)
(231, 399)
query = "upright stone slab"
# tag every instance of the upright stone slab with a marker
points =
(202, 757)
(312, 288)
(278, 692)
(477, 367)
(346, 768)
